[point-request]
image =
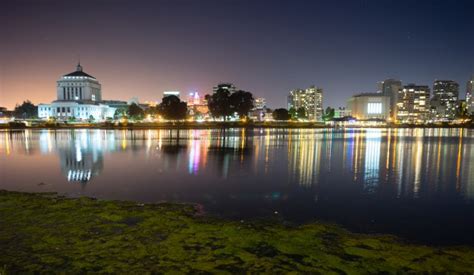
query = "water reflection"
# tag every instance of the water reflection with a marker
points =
(410, 161)
(392, 180)
(352, 176)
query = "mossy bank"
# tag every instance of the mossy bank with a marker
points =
(46, 232)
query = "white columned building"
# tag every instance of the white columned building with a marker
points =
(79, 97)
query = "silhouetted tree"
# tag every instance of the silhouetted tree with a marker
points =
(241, 102)
(329, 113)
(219, 103)
(462, 112)
(121, 112)
(293, 113)
(281, 114)
(26, 110)
(172, 108)
(135, 112)
(301, 112)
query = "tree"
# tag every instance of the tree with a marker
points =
(172, 108)
(462, 111)
(135, 112)
(293, 113)
(301, 112)
(219, 103)
(241, 102)
(281, 114)
(120, 112)
(26, 110)
(329, 114)
(152, 111)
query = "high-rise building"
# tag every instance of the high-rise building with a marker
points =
(168, 93)
(444, 103)
(193, 99)
(369, 106)
(225, 86)
(310, 99)
(79, 96)
(260, 103)
(197, 105)
(413, 104)
(470, 95)
(390, 88)
(259, 111)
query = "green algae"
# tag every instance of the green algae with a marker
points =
(49, 233)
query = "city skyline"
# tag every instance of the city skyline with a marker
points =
(178, 46)
(237, 136)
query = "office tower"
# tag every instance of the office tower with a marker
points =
(470, 95)
(413, 104)
(260, 103)
(390, 88)
(168, 93)
(225, 86)
(444, 103)
(310, 99)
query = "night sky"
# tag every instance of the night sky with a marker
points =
(141, 48)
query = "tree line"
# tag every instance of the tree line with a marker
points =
(170, 108)
(222, 103)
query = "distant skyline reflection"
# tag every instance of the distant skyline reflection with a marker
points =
(362, 178)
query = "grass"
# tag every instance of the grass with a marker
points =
(49, 233)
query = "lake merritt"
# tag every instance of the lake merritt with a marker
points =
(414, 183)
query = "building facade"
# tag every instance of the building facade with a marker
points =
(369, 106)
(225, 86)
(168, 93)
(413, 105)
(79, 97)
(444, 104)
(259, 111)
(390, 88)
(310, 99)
(260, 103)
(342, 112)
(197, 106)
(470, 95)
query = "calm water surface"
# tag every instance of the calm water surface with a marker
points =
(416, 183)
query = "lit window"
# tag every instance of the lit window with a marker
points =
(374, 108)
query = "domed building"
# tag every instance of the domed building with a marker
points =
(79, 97)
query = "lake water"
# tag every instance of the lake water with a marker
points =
(415, 183)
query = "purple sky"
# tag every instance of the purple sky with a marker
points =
(141, 48)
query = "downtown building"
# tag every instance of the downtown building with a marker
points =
(390, 88)
(259, 110)
(310, 99)
(260, 103)
(367, 106)
(197, 106)
(225, 86)
(79, 97)
(445, 101)
(413, 104)
(470, 95)
(171, 93)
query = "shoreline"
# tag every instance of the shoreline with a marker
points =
(47, 232)
(223, 125)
